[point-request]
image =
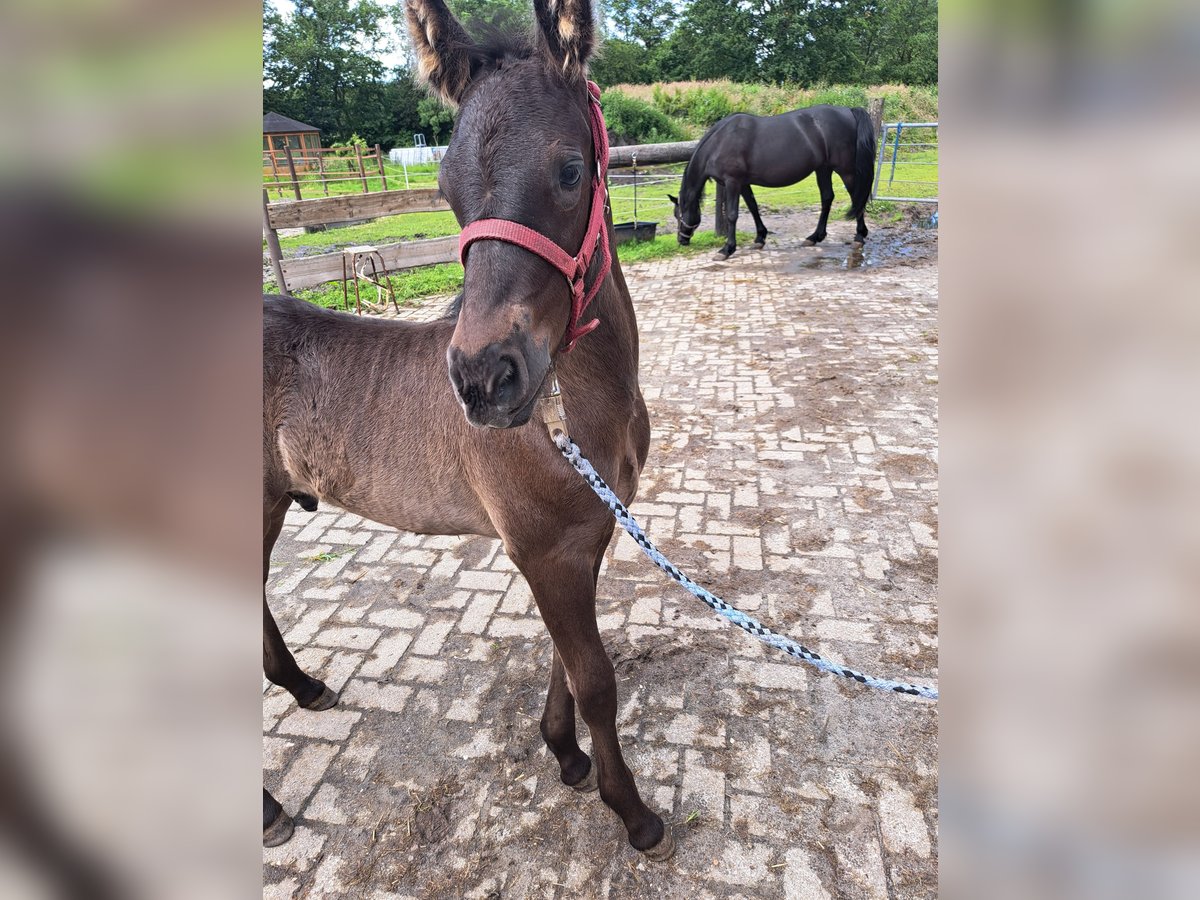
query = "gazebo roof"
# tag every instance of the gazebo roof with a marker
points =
(274, 123)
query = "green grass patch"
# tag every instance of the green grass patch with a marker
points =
(388, 230)
(343, 178)
(427, 281)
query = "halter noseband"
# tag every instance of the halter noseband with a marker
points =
(573, 268)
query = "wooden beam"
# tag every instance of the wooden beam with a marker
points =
(651, 154)
(308, 271)
(324, 210)
(273, 249)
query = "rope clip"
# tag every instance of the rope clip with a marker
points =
(554, 414)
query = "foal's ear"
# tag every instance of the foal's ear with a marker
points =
(444, 49)
(568, 33)
(674, 200)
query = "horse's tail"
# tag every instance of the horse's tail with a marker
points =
(864, 162)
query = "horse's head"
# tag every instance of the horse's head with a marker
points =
(684, 231)
(522, 151)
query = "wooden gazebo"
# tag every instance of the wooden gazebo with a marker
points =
(280, 132)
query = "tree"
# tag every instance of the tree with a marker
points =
(479, 16)
(714, 39)
(435, 118)
(646, 22)
(622, 62)
(321, 65)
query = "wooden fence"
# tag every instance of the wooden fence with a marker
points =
(288, 169)
(308, 271)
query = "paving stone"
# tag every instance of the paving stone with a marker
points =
(793, 471)
(304, 774)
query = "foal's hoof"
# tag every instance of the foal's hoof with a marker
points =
(809, 242)
(856, 245)
(328, 698)
(758, 245)
(279, 831)
(721, 256)
(664, 849)
(589, 782)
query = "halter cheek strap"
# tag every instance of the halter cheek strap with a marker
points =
(573, 268)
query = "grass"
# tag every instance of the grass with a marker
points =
(340, 182)
(430, 281)
(388, 230)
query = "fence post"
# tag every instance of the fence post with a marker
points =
(382, 173)
(362, 172)
(275, 171)
(273, 248)
(292, 169)
(895, 152)
(875, 111)
(321, 169)
(719, 216)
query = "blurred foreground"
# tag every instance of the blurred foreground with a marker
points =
(129, 351)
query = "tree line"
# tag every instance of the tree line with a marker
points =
(321, 64)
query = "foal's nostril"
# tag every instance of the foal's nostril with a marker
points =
(505, 385)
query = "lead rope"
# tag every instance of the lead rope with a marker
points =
(554, 416)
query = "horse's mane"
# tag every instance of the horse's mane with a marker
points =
(454, 308)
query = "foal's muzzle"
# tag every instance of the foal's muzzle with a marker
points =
(495, 386)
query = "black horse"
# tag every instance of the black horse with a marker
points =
(775, 151)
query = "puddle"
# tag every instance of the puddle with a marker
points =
(903, 248)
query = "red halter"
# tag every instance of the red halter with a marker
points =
(573, 268)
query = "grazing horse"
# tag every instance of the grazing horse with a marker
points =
(775, 151)
(464, 454)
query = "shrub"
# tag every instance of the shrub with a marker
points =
(701, 106)
(634, 122)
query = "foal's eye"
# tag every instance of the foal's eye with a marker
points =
(570, 175)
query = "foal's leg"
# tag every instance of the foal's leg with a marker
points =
(733, 193)
(825, 186)
(565, 591)
(278, 663)
(281, 669)
(558, 731)
(760, 230)
(558, 722)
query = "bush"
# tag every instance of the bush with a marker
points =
(702, 106)
(635, 122)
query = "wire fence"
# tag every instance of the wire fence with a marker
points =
(908, 160)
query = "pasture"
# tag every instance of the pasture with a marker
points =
(792, 395)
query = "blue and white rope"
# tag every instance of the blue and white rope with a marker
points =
(572, 454)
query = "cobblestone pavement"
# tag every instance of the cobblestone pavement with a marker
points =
(793, 470)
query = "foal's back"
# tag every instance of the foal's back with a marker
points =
(358, 411)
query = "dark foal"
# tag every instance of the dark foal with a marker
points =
(464, 454)
(775, 151)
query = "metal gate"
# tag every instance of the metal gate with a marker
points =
(908, 156)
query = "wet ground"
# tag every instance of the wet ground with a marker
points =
(792, 470)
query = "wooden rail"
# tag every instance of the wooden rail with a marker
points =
(308, 271)
(651, 154)
(346, 207)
